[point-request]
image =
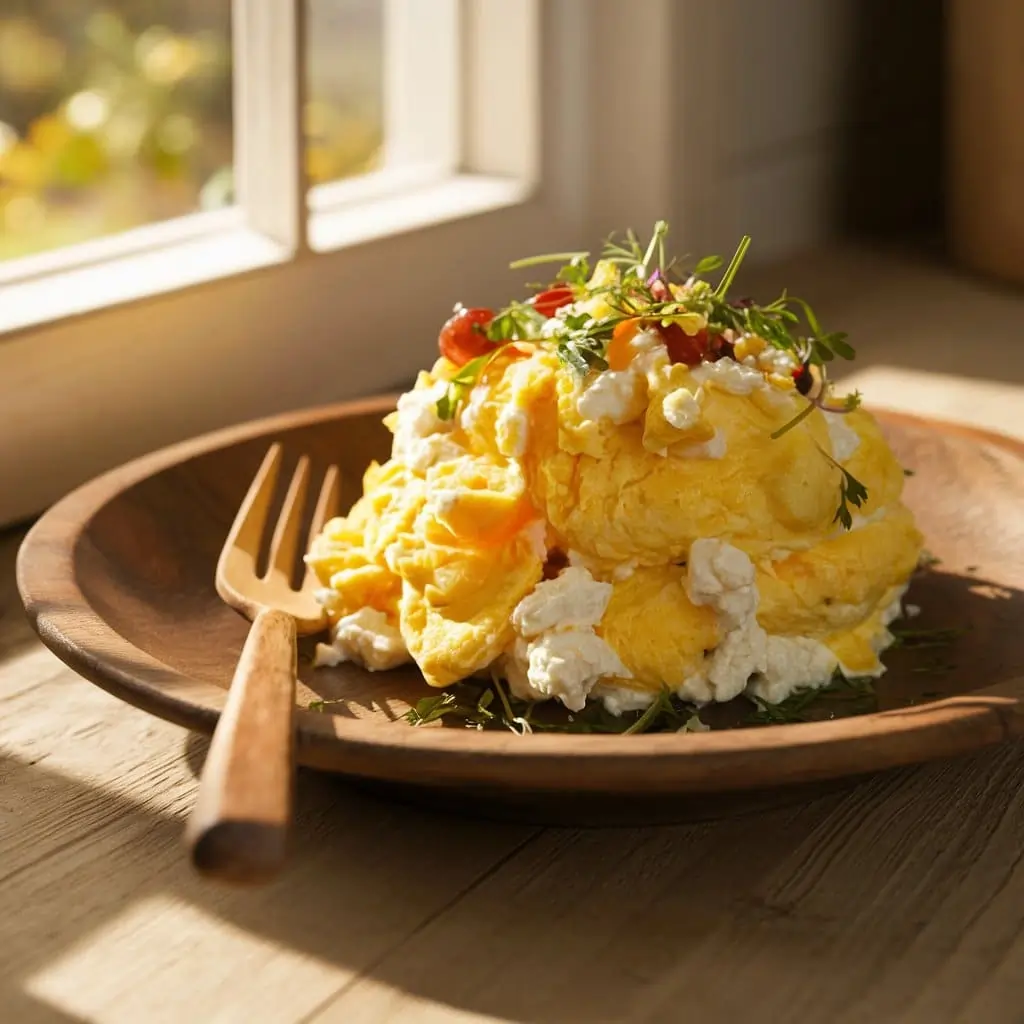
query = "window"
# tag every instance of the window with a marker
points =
(112, 115)
(118, 114)
(320, 264)
(344, 108)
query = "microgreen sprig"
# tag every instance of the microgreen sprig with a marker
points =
(644, 289)
(731, 271)
(462, 383)
(489, 705)
(851, 492)
(854, 695)
(518, 321)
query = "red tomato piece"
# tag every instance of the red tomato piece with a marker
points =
(463, 336)
(547, 302)
(683, 347)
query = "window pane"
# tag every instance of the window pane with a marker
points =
(344, 105)
(112, 115)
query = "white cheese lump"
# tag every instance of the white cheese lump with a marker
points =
(614, 395)
(746, 658)
(366, 638)
(421, 436)
(727, 374)
(681, 408)
(557, 653)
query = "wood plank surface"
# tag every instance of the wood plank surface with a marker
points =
(898, 898)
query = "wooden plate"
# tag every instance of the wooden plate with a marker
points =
(118, 580)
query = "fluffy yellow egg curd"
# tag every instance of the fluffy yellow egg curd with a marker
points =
(674, 512)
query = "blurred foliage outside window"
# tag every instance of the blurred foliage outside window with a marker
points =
(116, 114)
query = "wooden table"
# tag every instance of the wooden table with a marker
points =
(900, 898)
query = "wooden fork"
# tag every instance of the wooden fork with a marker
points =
(238, 830)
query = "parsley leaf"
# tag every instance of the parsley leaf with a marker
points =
(851, 492)
(432, 709)
(488, 705)
(583, 344)
(518, 321)
(576, 272)
(462, 383)
(706, 265)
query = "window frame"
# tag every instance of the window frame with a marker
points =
(356, 312)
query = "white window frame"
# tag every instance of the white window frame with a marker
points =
(130, 343)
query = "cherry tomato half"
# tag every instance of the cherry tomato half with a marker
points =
(463, 336)
(547, 302)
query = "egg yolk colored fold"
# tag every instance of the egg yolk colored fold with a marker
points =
(667, 522)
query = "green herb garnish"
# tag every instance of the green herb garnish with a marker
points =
(925, 638)
(647, 287)
(518, 321)
(851, 492)
(734, 265)
(319, 704)
(488, 705)
(854, 695)
(462, 383)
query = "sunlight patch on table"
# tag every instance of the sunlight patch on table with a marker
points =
(988, 404)
(126, 971)
(371, 1001)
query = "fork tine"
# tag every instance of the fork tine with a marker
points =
(326, 509)
(247, 529)
(327, 502)
(284, 545)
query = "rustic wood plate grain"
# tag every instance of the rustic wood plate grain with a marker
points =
(118, 580)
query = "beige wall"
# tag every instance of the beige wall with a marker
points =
(828, 117)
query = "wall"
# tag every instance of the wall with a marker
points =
(816, 119)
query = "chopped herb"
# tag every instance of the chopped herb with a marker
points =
(582, 347)
(519, 321)
(319, 704)
(462, 383)
(660, 706)
(551, 257)
(795, 421)
(431, 709)
(733, 268)
(925, 638)
(488, 705)
(854, 695)
(706, 265)
(644, 289)
(908, 472)
(851, 492)
(576, 272)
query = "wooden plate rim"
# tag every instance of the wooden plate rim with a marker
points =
(79, 636)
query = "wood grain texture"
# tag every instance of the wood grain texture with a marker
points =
(986, 87)
(900, 899)
(118, 581)
(238, 829)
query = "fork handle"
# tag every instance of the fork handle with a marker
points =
(238, 830)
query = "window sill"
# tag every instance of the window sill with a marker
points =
(168, 257)
(341, 216)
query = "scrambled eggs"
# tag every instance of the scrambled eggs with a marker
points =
(624, 484)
